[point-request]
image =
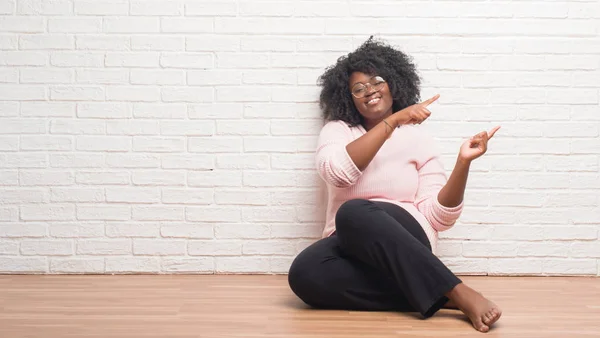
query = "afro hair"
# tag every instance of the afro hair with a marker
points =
(373, 58)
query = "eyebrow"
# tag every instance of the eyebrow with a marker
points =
(354, 84)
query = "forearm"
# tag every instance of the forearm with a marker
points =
(363, 149)
(452, 194)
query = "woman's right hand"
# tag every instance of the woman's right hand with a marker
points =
(415, 114)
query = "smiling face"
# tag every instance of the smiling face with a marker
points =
(371, 96)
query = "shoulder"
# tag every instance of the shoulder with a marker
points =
(338, 129)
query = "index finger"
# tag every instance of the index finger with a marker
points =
(431, 100)
(493, 131)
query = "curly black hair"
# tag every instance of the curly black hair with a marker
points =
(373, 58)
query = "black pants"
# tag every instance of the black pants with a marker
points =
(378, 260)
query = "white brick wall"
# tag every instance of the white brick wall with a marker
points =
(177, 136)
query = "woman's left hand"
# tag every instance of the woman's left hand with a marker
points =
(476, 145)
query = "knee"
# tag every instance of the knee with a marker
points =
(350, 211)
(299, 279)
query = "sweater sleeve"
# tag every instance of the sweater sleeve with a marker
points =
(333, 162)
(432, 178)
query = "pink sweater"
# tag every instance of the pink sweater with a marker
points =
(406, 171)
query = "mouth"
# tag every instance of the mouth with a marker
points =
(373, 101)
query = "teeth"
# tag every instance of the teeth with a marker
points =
(375, 100)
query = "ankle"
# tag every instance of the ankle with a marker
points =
(456, 291)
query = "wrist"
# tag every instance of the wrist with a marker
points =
(463, 161)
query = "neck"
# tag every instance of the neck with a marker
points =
(369, 124)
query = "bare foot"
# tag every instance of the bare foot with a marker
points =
(452, 305)
(481, 311)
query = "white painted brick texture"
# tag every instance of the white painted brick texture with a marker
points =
(178, 136)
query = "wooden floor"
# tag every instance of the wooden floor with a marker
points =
(263, 306)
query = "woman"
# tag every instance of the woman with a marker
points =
(388, 196)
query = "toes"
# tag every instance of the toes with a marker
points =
(483, 328)
(487, 318)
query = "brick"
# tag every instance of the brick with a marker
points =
(242, 60)
(46, 248)
(573, 129)
(157, 247)
(47, 177)
(132, 93)
(48, 143)
(211, 8)
(266, 25)
(212, 43)
(20, 24)
(33, 230)
(156, 7)
(26, 265)
(187, 128)
(186, 60)
(8, 42)
(9, 248)
(468, 232)
(74, 25)
(47, 212)
(102, 76)
(159, 177)
(187, 94)
(157, 77)
(242, 197)
(270, 144)
(571, 163)
(299, 128)
(269, 247)
(543, 249)
(217, 144)
(76, 93)
(188, 265)
(472, 266)
(159, 111)
(572, 96)
(107, 43)
(214, 77)
(9, 214)
(22, 93)
(98, 212)
(8, 7)
(269, 214)
(132, 127)
(215, 248)
(156, 213)
(21, 195)
(132, 59)
(218, 178)
(131, 25)
(188, 161)
(268, 44)
(289, 161)
(242, 264)
(243, 94)
(187, 196)
(305, 94)
(132, 265)
(133, 195)
(46, 76)
(158, 43)
(9, 143)
(132, 230)
(215, 111)
(45, 7)
(77, 127)
(515, 266)
(103, 178)
(183, 230)
(77, 230)
(186, 25)
(104, 247)
(281, 265)
(76, 195)
(295, 197)
(272, 110)
(77, 59)
(158, 144)
(274, 179)
(110, 7)
(77, 265)
(213, 214)
(243, 127)
(103, 143)
(46, 42)
(242, 231)
(23, 160)
(133, 160)
(9, 76)
(104, 110)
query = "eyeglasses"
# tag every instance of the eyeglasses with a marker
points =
(360, 90)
